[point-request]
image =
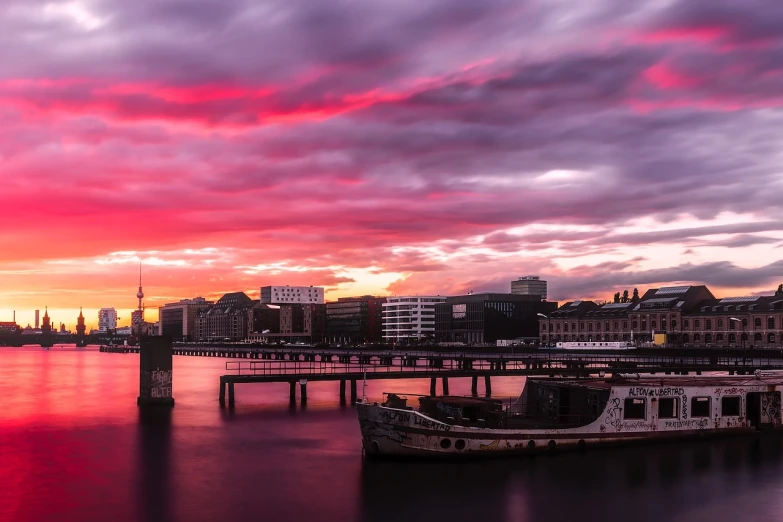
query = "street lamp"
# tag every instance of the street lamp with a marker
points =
(549, 326)
(742, 336)
(548, 338)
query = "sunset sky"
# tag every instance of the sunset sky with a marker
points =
(385, 147)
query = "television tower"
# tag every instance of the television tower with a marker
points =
(140, 296)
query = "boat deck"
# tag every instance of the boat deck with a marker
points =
(668, 380)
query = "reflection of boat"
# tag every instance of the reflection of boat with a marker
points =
(573, 413)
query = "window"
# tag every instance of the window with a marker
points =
(730, 406)
(589, 327)
(654, 325)
(674, 323)
(644, 325)
(757, 322)
(669, 408)
(635, 409)
(565, 327)
(700, 407)
(720, 323)
(744, 323)
(732, 325)
(625, 325)
(771, 323)
(617, 325)
(663, 324)
(708, 324)
(732, 338)
(719, 337)
(696, 323)
(635, 324)
(581, 326)
(696, 338)
(686, 323)
(708, 338)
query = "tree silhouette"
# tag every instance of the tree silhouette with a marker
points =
(625, 296)
(635, 296)
(779, 291)
(617, 297)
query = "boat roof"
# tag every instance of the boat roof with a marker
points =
(452, 399)
(668, 380)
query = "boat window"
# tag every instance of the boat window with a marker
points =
(730, 406)
(700, 407)
(669, 408)
(635, 409)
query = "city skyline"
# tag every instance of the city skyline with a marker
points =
(386, 148)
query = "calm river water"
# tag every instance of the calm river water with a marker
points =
(74, 447)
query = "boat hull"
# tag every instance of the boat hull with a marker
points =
(633, 412)
(388, 432)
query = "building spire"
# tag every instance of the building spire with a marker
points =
(140, 296)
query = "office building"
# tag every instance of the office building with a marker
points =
(107, 319)
(303, 322)
(409, 318)
(355, 320)
(178, 320)
(529, 285)
(292, 294)
(487, 318)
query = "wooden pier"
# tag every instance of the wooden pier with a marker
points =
(345, 370)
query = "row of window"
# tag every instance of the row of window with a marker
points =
(685, 338)
(669, 408)
(708, 323)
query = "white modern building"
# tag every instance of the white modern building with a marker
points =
(408, 317)
(292, 295)
(107, 319)
(529, 285)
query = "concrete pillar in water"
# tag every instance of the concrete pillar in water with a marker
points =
(155, 372)
(353, 392)
(222, 397)
(303, 390)
(445, 386)
(474, 385)
(342, 389)
(433, 382)
(488, 385)
(230, 394)
(292, 391)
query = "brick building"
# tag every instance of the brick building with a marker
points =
(687, 315)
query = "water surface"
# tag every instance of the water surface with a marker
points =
(74, 446)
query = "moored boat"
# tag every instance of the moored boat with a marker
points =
(559, 413)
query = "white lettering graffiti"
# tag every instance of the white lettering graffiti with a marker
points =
(655, 392)
(687, 424)
(395, 417)
(432, 425)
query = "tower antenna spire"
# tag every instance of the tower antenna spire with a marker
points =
(140, 296)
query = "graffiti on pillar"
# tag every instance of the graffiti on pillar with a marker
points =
(158, 382)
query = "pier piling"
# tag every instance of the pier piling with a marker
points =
(222, 396)
(445, 386)
(433, 382)
(488, 385)
(474, 385)
(230, 394)
(353, 391)
(303, 390)
(342, 389)
(292, 391)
